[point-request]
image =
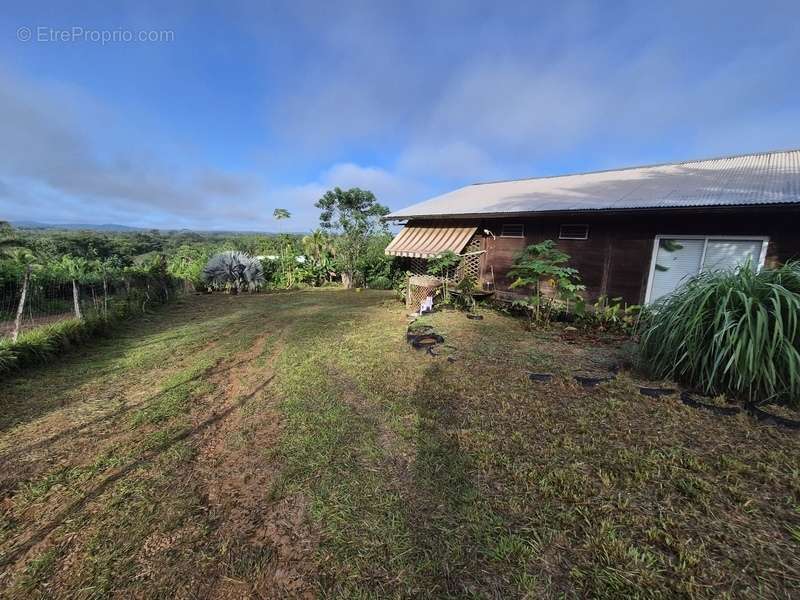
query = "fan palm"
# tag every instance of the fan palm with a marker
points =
(233, 269)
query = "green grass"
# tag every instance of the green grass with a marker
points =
(285, 444)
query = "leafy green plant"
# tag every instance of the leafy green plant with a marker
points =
(8, 359)
(730, 332)
(442, 265)
(555, 286)
(463, 298)
(380, 283)
(611, 315)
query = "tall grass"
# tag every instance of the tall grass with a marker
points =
(732, 332)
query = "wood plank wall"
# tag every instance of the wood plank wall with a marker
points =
(615, 259)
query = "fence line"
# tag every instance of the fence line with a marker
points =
(49, 300)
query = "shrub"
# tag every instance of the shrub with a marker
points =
(730, 332)
(380, 283)
(8, 359)
(611, 315)
(233, 270)
(543, 265)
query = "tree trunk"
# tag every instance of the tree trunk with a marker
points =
(105, 298)
(21, 307)
(347, 279)
(76, 299)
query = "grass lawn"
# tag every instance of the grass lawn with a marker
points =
(293, 445)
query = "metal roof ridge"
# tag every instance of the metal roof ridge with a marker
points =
(633, 167)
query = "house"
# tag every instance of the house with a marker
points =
(635, 233)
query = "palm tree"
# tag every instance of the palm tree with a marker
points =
(26, 260)
(319, 247)
(75, 269)
(279, 214)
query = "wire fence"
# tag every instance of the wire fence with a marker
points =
(48, 301)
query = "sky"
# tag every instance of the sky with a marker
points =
(207, 115)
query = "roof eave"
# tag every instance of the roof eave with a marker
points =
(529, 213)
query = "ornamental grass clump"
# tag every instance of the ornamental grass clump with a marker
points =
(730, 332)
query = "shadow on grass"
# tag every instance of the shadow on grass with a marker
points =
(39, 535)
(99, 356)
(444, 491)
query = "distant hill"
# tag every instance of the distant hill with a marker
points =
(114, 227)
(73, 226)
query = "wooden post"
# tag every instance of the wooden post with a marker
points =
(606, 276)
(21, 307)
(105, 297)
(76, 299)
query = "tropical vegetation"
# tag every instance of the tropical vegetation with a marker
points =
(542, 270)
(734, 332)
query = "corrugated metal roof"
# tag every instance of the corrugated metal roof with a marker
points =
(752, 179)
(427, 240)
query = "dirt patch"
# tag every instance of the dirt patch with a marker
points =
(269, 545)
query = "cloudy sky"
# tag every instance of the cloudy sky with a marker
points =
(238, 108)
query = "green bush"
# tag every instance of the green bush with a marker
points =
(541, 266)
(8, 359)
(380, 283)
(730, 332)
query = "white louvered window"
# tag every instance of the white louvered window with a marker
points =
(514, 230)
(678, 258)
(573, 232)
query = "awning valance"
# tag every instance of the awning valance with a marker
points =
(427, 241)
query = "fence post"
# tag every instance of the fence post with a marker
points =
(76, 299)
(21, 307)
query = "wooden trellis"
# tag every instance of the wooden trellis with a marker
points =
(470, 265)
(420, 287)
(417, 266)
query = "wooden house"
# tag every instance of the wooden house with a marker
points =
(635, 233)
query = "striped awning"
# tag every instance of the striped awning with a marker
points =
(427, 241)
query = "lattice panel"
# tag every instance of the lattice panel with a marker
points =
(416, 293)
(417, 266)
(471, 263)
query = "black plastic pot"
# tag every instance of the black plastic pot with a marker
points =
(656, 392)
(771, 419)
(540, 377)
(475, 317)
(425, 340)
(686, 398)
(590, 382)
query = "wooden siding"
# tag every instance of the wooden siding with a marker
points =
(615, 259)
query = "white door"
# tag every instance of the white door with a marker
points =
(676, 261)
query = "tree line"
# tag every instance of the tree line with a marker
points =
(347, 248)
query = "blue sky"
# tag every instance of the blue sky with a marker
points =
(245, 107)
